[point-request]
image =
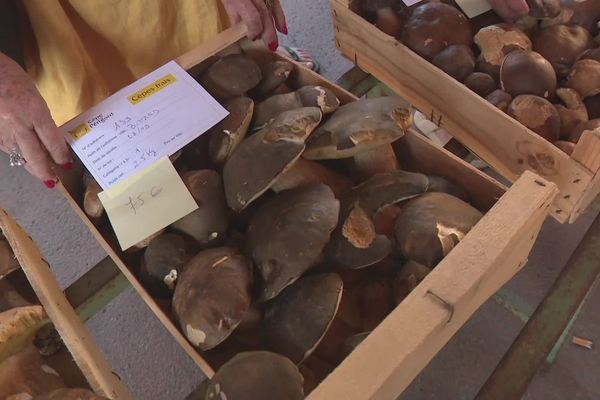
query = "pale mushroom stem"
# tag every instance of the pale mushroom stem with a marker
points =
(376, 161)
(305, 172)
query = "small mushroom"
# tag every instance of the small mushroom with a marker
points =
(561, 45)
(495, 43)
(274, 73)
(70, 394)
(406, 280)
(480, 83)
(565, 146)
(92, 205)
(500, 99)
(208, 224)
(257, 375)
(431, 225)
(434, 26)
(590, 125)
(458, 61)
(297, 319)
(442, 185)
(287, 235)
(585, 78)
(306, 96)
(355, 243)
(162, 263)
(212, 295)
(228, 133)
(231, 76)
(537, 114)
(572, 113)
(263, 157)
(527, 72)
(544, 9)
(593, 106)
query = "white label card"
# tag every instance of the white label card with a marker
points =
(153, 117)
(473, 8)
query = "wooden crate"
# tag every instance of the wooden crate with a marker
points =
(506, 145)
(385, 363)
(83, 365)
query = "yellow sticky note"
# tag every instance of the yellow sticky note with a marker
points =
(147, 202)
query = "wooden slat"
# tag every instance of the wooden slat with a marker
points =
(502, 142)
(75, 335)
(405, 342)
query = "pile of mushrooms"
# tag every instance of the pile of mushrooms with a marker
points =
(307, 234)
(543, 69)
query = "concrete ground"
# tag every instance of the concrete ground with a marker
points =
(155, 368)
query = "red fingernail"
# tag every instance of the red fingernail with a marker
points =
(68, 165)
(284, 30)
(273, 46)
(50, 184)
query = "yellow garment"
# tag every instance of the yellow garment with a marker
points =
(81, 51)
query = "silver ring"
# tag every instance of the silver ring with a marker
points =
(15, 158)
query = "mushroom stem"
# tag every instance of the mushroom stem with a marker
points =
(304, 172)
(376, 161)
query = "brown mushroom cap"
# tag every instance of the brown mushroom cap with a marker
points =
(590, 125)
(495, 42)
(592, 104)
(434, 26)
(355, 243)
(162, 263)
(212, 295)
(565, 146)
(585, 78)
(389, 21)
(274, 75)
(592, 54)
(92, 205)
(542, 9)
(376, 303)
(443, 185)
(527, 72)
(480, 83)
(70, 394)
(458, 61)
(231, 76)
(500, 99)
(261, 158)
(257, 375)
(537, 114)
(562, 45)
(358, 127)
(287, 235)
(431, 225)
(572, 113)
(407, 279)
(208, 224)
(306, 96)
(584, 13)
(228, 133)
(296, 320)
(372, 6)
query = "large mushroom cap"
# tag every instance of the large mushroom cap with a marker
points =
(585, 78)
(562, 45)
(527, 72)
(458, 61)
(572, 113)
(162, 262)
(231, 76)
(209, 222)
(537, 114)
(584, 13)
(434, 26)
(212, 295)
(355, 243)
(261, 158)
(274, 74)
(287, 235)
(296, 320)
(358, 127)
(226, 135)
(18, 327)
(70, 394)
(257, 375)
(431, 225)
(495, 42)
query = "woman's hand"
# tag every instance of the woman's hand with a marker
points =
(510, 10)
(262, 17)
(26, 124)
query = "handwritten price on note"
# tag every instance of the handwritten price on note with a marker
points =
(134, 128)
(136, 202)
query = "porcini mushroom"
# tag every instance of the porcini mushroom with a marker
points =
(70, 394)
(480, 83)
(208, 224)
(287, 235)
(585, 78)
(584, 13)
(263, 157)
(431, 225)
(434, 26)
(590, 125)
(389, 21)
(306, 96)
(228, 133)
(212, 295)
(257, 375)
(355, 243)
(274, 74)
(527, 72)
(572, 113)
(537, 114)
(162, 263)
(495, 42)
(592, 54)
(406, 280)
(561, 45)
(500, 99)
(458, 61)
(231, 76)
(296, 320)
(443, 185)
(92, 205)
